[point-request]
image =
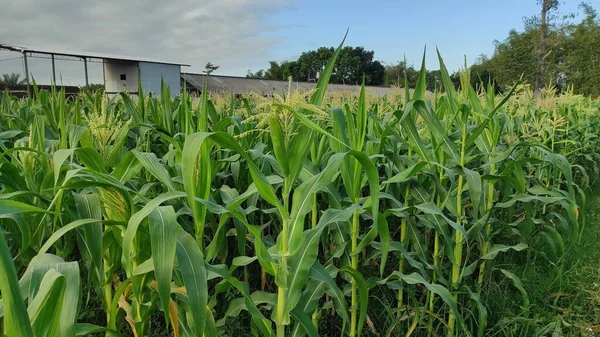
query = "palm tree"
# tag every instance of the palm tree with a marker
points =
(11, 79)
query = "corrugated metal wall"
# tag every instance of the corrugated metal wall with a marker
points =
(152, 74)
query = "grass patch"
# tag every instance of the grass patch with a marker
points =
(564, 299)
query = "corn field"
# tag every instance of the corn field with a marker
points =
(284, 216)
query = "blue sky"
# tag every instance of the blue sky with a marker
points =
(242, 35)
(398, 28)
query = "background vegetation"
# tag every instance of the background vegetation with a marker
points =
(562, 50)
(571, 54)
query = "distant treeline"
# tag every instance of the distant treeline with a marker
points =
(352, 63)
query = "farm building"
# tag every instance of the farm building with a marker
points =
(243, 85)
(120, 73)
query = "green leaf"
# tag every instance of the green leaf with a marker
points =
(319, 94)
(241, 261)
(193, 272)
(299, 146)
(58, 159)
(449, 89)
(313, 126)
(134, 222)
(64, 230)
(475, 189)
(16, 320)
(163, 225)
(84, 329)
(441, 291)
(384, 235)
(525, 198)
(479, 129)
(278, 140)
(319, 273)
(433, 124)
(196, 170)
(305, 321)
(302, 201)
(263, 324)
(373, 179)
(414, 138)
(90, 241)
(127, 168)
(191, 146)
(495, 249)
(45, 305)
(433, 209)
(308, 303)
(519, 285)
(406, 174)
(91, 159)
(301, 262)
(15, 207)
(151, 163)
(421, 86)
(482, 313)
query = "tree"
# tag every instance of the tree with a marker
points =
(290, 69)
(274, 72)
(12, 79)
(209, 68)
(311, 63)
(542, 52)
(354, 62)
(514, 58)
(375, 73)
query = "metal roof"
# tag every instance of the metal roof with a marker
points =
(22, 49)
(242, 85)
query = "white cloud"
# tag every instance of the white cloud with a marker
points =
(234, 34)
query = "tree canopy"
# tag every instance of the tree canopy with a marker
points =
(353, 63)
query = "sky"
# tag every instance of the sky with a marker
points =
(242, 35)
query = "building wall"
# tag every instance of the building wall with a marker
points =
(113, 69)
(152, 74)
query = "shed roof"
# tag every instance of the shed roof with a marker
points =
(22, 49)
(241, 85)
